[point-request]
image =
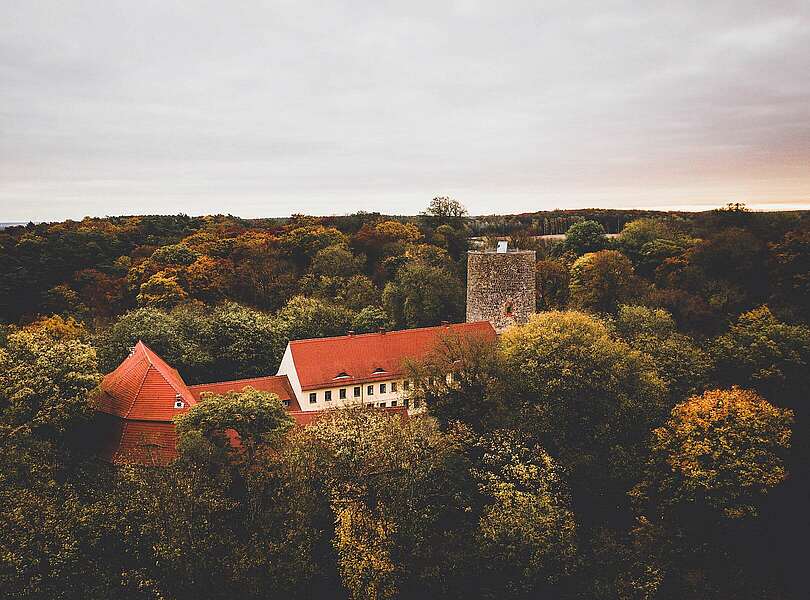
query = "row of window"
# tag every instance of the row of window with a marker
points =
(383, 387)
(381, 404)
(394, 404)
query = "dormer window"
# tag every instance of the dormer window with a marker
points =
(178, 402)
(378, 371)
(342, 375)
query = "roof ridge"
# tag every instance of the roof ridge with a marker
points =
(196, 385)
(147, 351)
(138, 392)
(392, 332)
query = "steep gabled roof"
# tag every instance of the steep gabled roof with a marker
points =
(277, 384)
(144, 388)
(350, 359)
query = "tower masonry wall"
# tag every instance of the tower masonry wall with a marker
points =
(501, 287)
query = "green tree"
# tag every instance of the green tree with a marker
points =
(367, 461)
(174, 255)
(791, 259)
(358, 292)
(45, 529)
(443, 210)
(336, 261)
(584, 237)
(453, 240)
(304, 318)
(600, 281)
(681, 363)
(246, 342)
(761, 352)
(473, 393)
(179, 337)
(636, 233)
(44, 383)
(588, 398)
(423, 295)
(527, 529)
(370, 319)
(552, 281)
(255, 416)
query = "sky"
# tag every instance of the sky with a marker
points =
(278, 107)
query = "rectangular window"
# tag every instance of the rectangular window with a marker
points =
(393, 402)
(431, 381)
(357, 392)
(370, 405)
(342, 393)
(327, 395)
(406, 384)
(370, 390)
(382, 388)
(416, 402)
(382, 404)
(393, 386)
(406, 403)
(313, 398)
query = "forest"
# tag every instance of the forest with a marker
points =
(643, 436)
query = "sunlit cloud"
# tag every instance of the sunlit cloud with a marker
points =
(271, 108)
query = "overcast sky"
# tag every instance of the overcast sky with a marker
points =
(269, 108)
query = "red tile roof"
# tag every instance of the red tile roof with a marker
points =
(136, 401)
(277, 384)
(371, 356)
(144, 388)
(136, 442)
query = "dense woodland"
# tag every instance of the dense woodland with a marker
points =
(644, 436)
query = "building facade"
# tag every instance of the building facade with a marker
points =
(368, 369)
(137, 402)
(501, 286)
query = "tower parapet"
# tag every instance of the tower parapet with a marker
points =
(500, 286)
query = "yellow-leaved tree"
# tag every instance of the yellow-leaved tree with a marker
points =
(712, 465)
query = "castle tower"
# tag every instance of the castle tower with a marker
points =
(500, 286)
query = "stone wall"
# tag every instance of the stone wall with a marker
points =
(500, 287)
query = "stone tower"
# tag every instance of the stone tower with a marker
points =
(500, 286)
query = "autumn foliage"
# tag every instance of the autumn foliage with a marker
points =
(644, 436)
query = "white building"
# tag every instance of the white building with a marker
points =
(364, 369)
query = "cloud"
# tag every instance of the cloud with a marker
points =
(269, 108)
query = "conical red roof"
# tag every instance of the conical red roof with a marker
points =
(144, 388)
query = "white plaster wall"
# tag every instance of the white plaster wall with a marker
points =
(321, 403)
(287, 367)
